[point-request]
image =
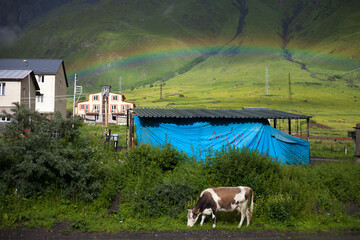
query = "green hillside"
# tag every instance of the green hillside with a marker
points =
(209, 54)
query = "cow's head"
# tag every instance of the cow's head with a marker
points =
(193, 215)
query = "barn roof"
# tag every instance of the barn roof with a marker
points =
(245, 113)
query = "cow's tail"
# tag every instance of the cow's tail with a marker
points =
(252, 204)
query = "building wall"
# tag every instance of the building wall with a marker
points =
(60, 92)
(47, 88)
(24, 93)
(53, 88)
(17, 91)
(12, 93)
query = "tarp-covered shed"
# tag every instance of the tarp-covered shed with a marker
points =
(195, 131)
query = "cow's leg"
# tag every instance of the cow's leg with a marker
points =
(207, 211)
(214, 218)
(202, 219)
(247, 217)
(243, 213)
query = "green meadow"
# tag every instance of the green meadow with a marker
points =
(241, 83)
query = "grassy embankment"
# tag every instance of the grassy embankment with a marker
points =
(150, 188)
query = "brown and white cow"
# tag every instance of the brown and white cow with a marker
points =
(225, 199)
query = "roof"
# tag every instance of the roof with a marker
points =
(39, 66)
(245, 113)
(14, 74)
(18, 75)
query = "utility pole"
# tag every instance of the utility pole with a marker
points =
(267, 82)
(105, 94)
(75, 79)
(290, 92)
(120, 84)
(160, 90)
(27, 64)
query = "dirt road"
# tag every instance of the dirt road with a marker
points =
(62, 231)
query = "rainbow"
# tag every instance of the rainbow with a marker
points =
(155, 56)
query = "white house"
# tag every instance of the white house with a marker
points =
(14, 87)
(51, 77)
(93, 110)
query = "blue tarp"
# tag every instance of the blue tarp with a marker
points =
(197, 136)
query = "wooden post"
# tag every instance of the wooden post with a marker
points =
(130, 129)
(308, 128)
(357, 142)
(289, 120)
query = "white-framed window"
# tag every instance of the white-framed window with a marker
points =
(96, 98)
(86, 108)
(123, 108)
(82, 107)
(115, 98)
(2, 89)
(4, 119)
(97, 117)
(40, 98)
(113, 108)
(96, 108)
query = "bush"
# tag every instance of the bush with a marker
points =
(144, 169)
(38, 154)
(279, 208)
(232, 166)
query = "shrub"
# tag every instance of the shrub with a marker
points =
(232, 166)
(279, 208)
(144, 169)
(34, 158)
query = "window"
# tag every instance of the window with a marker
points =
(41, 79)
(97, 118)
(96, 98)
(82, 107)
(2, 88)
(40, 98)
(4, 119)
(123, 108)
(113, 117)
(87, 108)
(96, 108)
(113, 108)
(115, 98)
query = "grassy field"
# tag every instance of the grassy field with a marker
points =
(241, 83)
